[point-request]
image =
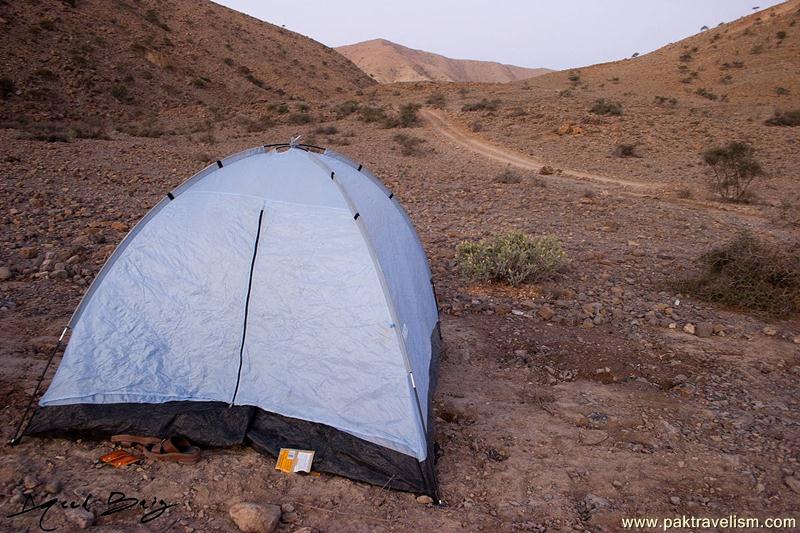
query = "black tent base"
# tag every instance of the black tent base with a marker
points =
(217, 424)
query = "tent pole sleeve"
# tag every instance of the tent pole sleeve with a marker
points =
(384, 287)
(19, 432)
(247, 307)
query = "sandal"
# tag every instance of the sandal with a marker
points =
(174, 449)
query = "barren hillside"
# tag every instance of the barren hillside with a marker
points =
(177, 60)
(389, 62)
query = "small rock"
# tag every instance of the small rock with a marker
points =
(5, 273)
(424, 500)
(704, 329)
(793, 483)
(546, 312)
(674, 500)
(770, 331)
(80, 517)
(287, 508)
(30, 482)
(594, 503)
(689, 328)
(28, 252)
(255, 518)
(289, 518)
(52, 487)
(796, 339)
(502, 309)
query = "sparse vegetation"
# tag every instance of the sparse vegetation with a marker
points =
(483, 105)
(781, 35)
(252, 125)
(734, 168)
(750, 273)
(345, 109)
(514, 258)
(781, 91)
(436, 100)
(606, 107)
(152, 17)
(372, 114)
(326, 130)
(665, 100)
(409, 145)
(508, 177)
(300, 118)
(784, 118)
(705, 93)
(732, 64)
(626, 150)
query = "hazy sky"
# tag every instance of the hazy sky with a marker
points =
(538, 33)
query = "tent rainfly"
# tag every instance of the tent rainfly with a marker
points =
(281, 297)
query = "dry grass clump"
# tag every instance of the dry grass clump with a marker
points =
(514, 258)
(750, 273)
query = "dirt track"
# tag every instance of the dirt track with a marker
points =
(503, 155)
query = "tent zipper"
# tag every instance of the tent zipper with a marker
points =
(247, 308)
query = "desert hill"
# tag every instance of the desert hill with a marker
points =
(389, 62)
(145, 59)
(754, 57)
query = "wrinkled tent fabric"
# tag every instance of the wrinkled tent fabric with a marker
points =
(281, 297)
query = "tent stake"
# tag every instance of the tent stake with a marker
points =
(18, 433)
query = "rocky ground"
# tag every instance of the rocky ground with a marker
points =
(568, 405)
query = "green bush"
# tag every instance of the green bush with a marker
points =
(734, 169)
(752, 274)
(514, 258)
(785, 118)
(606, 107)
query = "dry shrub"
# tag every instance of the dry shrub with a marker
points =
(436, 100)
(345, 109)
(734, 169)
(372, 114)
(409, 145)
(626, 150)
(508, 177)
(606, 107)
(483, 105)
(750, 273)
(784, 118)
(514, 258)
